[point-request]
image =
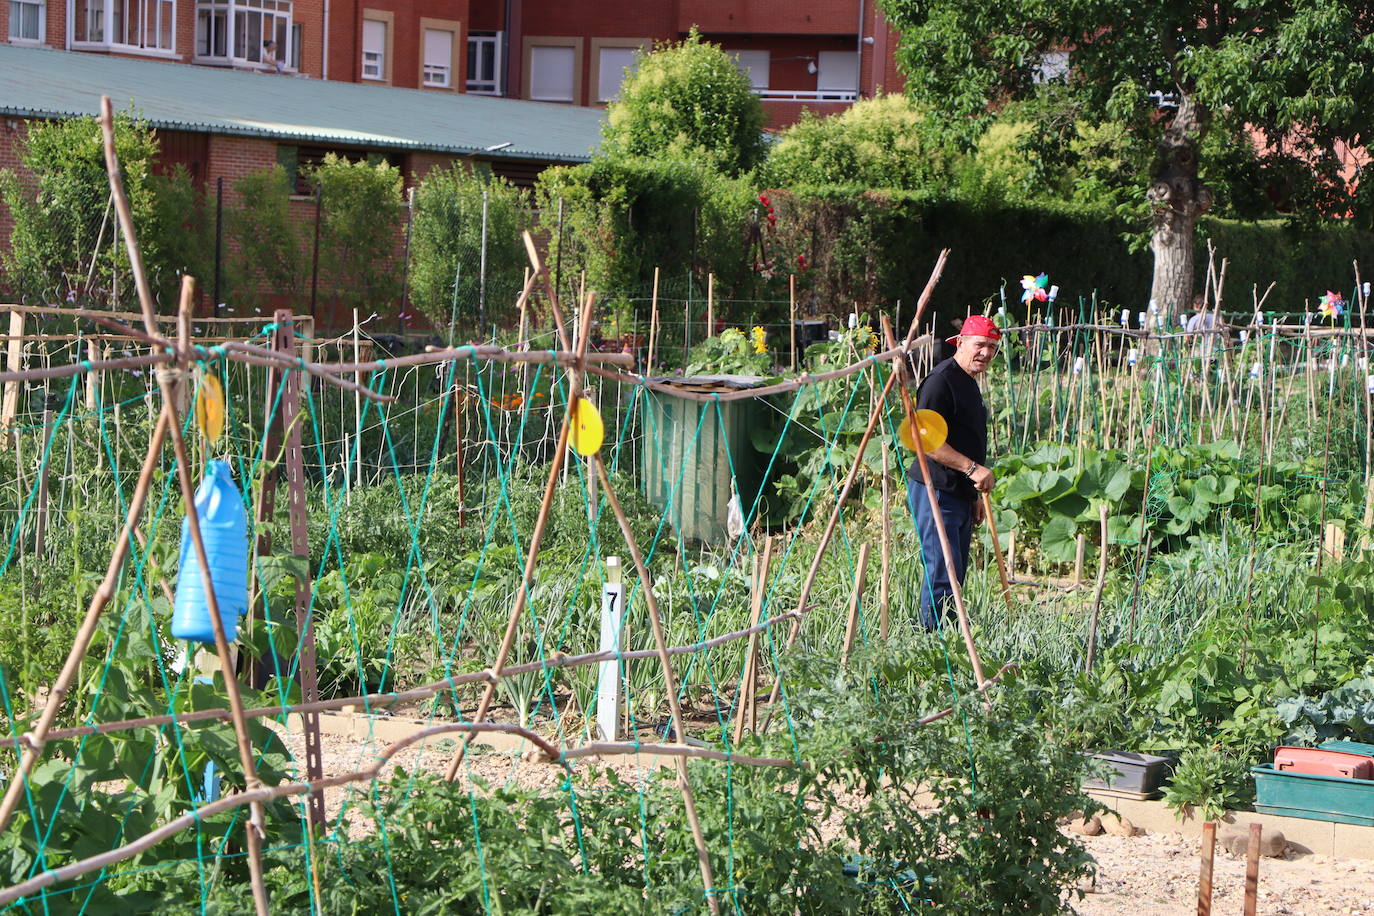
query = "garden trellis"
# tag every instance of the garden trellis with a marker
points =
(509, 635)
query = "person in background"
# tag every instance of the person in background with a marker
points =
(957, 468)
(269, 55)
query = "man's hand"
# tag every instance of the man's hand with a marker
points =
(982, 478)
(978, 513)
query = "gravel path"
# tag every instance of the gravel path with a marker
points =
(1157, 874)
(1147, 875)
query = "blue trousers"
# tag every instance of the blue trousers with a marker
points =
(936, 591)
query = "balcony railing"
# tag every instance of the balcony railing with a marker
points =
(807, 95)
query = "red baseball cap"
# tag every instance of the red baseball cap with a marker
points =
(976, 326)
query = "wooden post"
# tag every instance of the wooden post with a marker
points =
(792, 318)
(885, 570)
(1079, 545)
(14, 361)
(1333, 541)
(1252, 857)
(852, 620)
(1204, 883)
(92, 378)
(459, 399)
(710, 305)
(744, 697)
(1098, 589)
(41, 521)
(653, 326)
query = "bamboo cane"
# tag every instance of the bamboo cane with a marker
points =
(997, 549)
(851, 625)
(254, 827)
(956, 588)
(744, 704)
(536, 538)
(669, 682)
(885, 571)
(1098, 587)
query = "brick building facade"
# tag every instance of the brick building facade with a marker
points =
(820, 55)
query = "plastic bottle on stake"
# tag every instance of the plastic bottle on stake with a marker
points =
(224, 531)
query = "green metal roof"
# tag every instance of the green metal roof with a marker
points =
(46, 83)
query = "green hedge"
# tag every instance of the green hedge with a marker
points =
(868, 246)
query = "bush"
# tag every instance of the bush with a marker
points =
(622, 217)
(446, 241)
(270, 252)
(883, 142)
(63, 244)
(687, 99)
(362, 208)
(880, 246)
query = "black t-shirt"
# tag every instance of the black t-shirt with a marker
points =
(953, 394)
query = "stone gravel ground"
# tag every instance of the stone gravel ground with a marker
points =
(1157, 874)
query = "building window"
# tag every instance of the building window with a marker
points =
(234, 31)
(297, 42)
(26, 20)
(374, 49)
(754, 65)
(148, 25)
(838, 74)
(551, 73)
(614, 66)
(438, 58)
(484, 63)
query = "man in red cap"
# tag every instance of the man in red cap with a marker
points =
(957, 468)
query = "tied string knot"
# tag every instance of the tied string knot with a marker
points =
(169, 375)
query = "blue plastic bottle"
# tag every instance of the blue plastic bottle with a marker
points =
(224, 529)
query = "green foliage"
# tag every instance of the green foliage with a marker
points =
(729, 353)
(63, 242)
(879, 246)
(882, 142)
(687, 100)
(1206, 779)
(974, 58)
(358, 256)
(623, 216)
(446, 234)
(271, 254)
(1346, 712)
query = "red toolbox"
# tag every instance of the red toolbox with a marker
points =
(1321, 762)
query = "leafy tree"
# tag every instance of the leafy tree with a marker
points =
(883, 142)
(270, 252)
(687, 99)
(624, 216)
(63, 242)
(362, 208)
(1296, 73)
(446, 244)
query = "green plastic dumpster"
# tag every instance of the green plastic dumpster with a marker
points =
(690, 449)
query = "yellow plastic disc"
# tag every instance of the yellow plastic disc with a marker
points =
(932, 427)
(210, 408)
(587, 429)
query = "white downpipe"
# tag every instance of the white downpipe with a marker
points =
(324, 45)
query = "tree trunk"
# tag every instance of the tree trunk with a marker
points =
(1178, 199)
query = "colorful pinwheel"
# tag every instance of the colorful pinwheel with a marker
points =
(1332, 305)
(1035, 288)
